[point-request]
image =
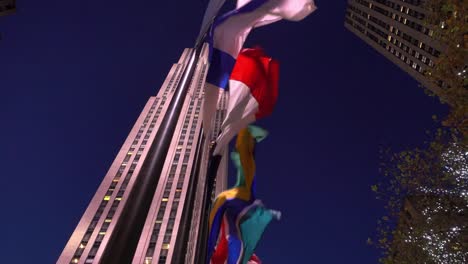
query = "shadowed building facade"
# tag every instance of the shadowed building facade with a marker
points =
(172, 221)
(396, 29)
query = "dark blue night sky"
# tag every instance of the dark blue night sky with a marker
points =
(75, 75)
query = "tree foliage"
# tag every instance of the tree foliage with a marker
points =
(426, 195)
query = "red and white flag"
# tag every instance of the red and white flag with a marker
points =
(228, 34)
(253, 91)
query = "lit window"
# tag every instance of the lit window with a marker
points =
(82, 246)
(102, 233)
(158, 221)
(107, 220)
(165, 246)
(164, 199)
(148, 260)
(75, 260)
(106, 198)
(118, 198)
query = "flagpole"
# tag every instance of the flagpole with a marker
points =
(212, 169)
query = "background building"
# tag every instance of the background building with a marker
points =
(396, 29)
(170, 221)
(7, 7)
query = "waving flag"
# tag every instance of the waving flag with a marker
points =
(252, 95)
(228, 34)
(240, 217)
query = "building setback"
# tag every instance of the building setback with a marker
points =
(396, 29)
(172, 218)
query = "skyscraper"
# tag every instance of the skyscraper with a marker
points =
(7, 7)
(171, 222)
(396, 29)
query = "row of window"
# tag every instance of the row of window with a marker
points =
(177, 75)
(398, 32)
(111, 189)
(402, 9)
(392, 50)
(171, 81)
(168, 187)
(406, 59)
(411, 51)
(399, 18)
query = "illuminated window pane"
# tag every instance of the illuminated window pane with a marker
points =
(106, 198)
(165, 246)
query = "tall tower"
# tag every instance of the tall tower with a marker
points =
(396, 29)
(170, 223)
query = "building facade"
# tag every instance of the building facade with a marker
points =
(396, 29)
(165, 227)
(7, 7)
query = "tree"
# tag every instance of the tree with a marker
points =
(426, 195)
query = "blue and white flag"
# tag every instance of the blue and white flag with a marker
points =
(228, 34)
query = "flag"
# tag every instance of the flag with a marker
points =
(254, 260)
(252, 95)
(237, 220)
(220, 255)
(227, 37)
(241, 231)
